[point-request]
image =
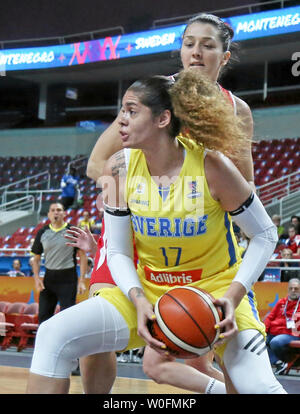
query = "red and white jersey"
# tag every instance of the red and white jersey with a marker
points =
(228, 94)
(101, 272)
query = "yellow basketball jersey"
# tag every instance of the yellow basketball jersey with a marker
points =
(182, 235)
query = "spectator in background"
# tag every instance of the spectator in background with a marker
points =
(69, 188)
(30, 271)
(16, 270)
(283, 326)
(30, 264)
(90, 265)
(87, 221)
(287, 273)
(293, 240)
(280, 229)
(295, 220)
(244, 240)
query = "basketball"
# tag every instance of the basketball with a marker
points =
(185, 322)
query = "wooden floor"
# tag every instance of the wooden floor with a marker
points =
(13, 380)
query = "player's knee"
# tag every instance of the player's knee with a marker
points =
(154, 371)
(203, 365)
(44, 335)
(51, 336)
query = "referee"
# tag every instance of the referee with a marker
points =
(61, 279)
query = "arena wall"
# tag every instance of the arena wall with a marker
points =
(269, 123)
(48, 141)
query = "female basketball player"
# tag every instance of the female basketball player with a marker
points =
(191, 219)
(205, 47)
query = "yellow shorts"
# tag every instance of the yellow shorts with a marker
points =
(246, 313)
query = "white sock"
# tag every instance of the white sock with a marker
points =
(215, 387)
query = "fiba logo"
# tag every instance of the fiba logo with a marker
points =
(296, 65)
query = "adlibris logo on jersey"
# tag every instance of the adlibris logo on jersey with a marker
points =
(172, 278)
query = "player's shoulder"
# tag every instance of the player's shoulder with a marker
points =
(217, 161)
(242, 108)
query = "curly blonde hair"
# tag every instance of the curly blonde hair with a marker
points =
(206, 116)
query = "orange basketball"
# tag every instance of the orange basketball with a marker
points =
(185, 321)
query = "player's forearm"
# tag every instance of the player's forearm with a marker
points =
(83, 267)
(108, 144)
(135, 294)
(120, 253)
(254, 221)
(95, 169)
(235, 293)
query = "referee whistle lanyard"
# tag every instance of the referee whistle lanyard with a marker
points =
(290, 323)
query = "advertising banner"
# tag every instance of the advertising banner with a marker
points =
(249, 26)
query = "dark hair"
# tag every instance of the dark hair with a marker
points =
(153, 92)
(226, 33)
(57, 202)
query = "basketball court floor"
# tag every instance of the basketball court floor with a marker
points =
(130, 377)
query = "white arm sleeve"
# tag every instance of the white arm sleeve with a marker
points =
(255, 222)
(120, 251)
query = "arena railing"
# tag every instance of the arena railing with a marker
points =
(91, 35)
(24, 203)
(16, 251)
(282, 196)
(61, 40)
(245, 9)
(78, 163)
(288, 261)
(8, 188)
(36, 194)
(280, 187)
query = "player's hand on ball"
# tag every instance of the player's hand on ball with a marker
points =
(144, 315)
(228, 325)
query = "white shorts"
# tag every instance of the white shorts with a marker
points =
(96, 326)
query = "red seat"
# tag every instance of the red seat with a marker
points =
(27, 327)
(4, 306)
(10, 325)
(295, 362)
